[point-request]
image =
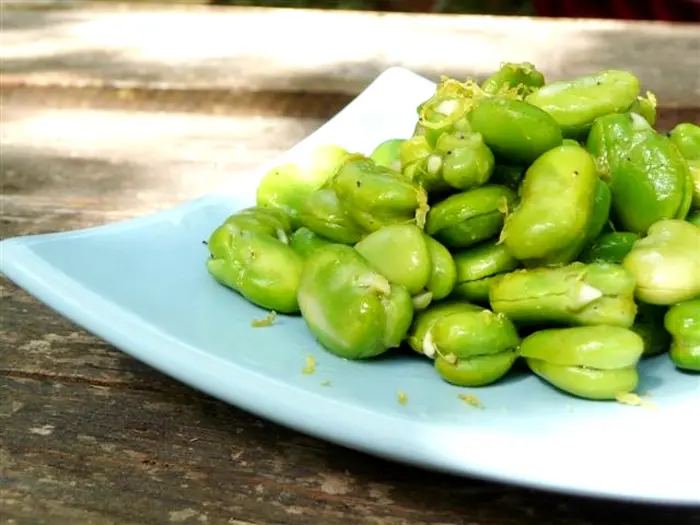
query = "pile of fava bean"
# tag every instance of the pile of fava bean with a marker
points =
(546, 221)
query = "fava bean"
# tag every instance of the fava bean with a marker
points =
(286, 187)
(354, 311)
(472, 348)
(467, 218)
(375, 196)
(666, 263)
(576, 103)
(595, 362)
(649, 179)
(576, 294)
(515, 130)
(557, 197)
(259, 266)
(682, 321)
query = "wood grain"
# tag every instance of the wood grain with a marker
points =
(88, 435)
(247, 49)
(78, 453)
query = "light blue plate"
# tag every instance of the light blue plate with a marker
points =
(142, 286)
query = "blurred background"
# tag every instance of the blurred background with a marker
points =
(664, 10)
(667, 10)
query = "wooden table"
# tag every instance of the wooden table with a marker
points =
(103, 121)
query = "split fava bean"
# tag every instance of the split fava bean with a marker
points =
(595, 362)
(472, 348)
(261, 267)
(354, 311)
(477, 268)
(576, 294)
(400, 253)
(323, 214)
(423, 322)
(375, 196)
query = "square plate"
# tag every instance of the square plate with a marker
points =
(142, 286)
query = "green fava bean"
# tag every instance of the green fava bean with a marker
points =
(515, 130)
(649, 325)
(459, 160)
(610, 136)
(557, 197)
(375, 196)
(465, 160)
(446, 110)
(666, 263)
(431, 125)
(424, 321)
(305, 242)
(353, 311)
(576, 294)
(694, 218)
(476, 268)
(476, 372)
(467, 218)
(472, 348)
(694, 168)
(477, 291)
(416, 155)
(648, 177)
(593, 362)
(587, 383)
(261, 268)
(682, 321)
(388, 154)
(522, 77)
(323, 214)
(266, 221)
(576, 103)
(599, 218)
(400, 253)
(686, 137)
(646, 107)
(443, 275)
(286, 187)
(610, 247)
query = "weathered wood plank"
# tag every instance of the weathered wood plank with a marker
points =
(76, 158)
(131, 162)
(250, 49)
(87, 454)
